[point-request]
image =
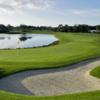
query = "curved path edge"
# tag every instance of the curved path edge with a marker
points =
(71, 79)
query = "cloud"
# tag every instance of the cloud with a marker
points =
(18, 5)
(88, 12)
(79, 12)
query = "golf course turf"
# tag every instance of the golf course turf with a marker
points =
(73, 48)
(96, 72)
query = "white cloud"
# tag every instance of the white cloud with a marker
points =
(78, 12)
(88, 12)
(18, 5)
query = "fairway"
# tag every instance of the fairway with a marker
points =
(49, 50)
(73, 48)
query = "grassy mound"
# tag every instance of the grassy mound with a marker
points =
(96, 72)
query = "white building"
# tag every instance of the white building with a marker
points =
(94, 31)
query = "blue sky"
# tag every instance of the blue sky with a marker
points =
(49, 12)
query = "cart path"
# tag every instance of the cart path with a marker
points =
(58, 81)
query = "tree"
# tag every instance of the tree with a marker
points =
(23, 28)
(83, 28)
(3, 29)
(65, 28)
(75, 28)
(10, 28)
(60, 28)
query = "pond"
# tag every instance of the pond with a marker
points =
(14, 41)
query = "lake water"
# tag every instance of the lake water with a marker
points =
(14, 41)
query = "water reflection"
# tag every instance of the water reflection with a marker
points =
(24, 37)
(25, 41)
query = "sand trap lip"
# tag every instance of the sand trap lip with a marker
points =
(48, 82)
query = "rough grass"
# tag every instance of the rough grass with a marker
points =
(73, 48)
(96, 72)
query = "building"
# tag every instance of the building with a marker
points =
(94, 31)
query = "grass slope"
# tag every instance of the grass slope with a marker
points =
(96, 72)
(79, 96)
(73, 48)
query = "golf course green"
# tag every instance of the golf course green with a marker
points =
(96, 72)
(72, 48)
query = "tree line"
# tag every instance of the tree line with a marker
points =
(60, 28)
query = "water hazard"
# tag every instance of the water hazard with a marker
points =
(14, 41)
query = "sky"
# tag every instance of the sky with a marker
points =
(49, 12)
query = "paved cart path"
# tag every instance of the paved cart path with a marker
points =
(70, 79)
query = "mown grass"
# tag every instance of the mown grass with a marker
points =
(96, 72)
(72, 48)
(78, 96)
